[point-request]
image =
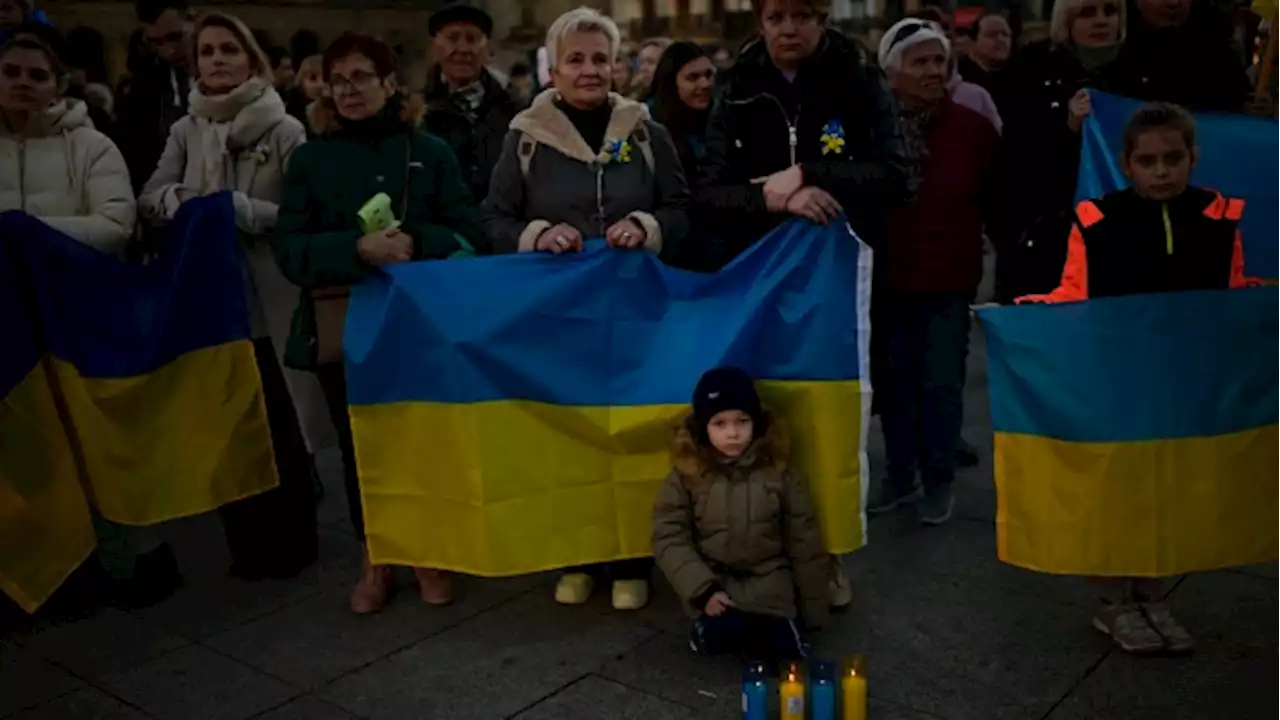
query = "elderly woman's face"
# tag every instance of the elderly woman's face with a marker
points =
(27, 81)
(1095, 23)
(792, 30)
(357, 91)
(221, 61)
(584, 69)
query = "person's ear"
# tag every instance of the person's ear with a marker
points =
(1124, 166)
(1195, 156)
(389, 83)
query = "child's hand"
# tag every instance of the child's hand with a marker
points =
(717, 604)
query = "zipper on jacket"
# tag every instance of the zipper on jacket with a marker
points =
(793, 137)
(600, 219)
(1168, 228)
(22, 174)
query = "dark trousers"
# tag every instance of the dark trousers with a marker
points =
(274, 533)
(333, 382)
(928, 341)
(635, 569)
(758, 637)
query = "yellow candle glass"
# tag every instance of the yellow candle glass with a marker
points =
(853, 689)
(791, 693)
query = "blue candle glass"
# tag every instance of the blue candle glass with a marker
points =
(755, 692)
(822, 690)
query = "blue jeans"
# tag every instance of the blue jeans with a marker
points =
(928, 338)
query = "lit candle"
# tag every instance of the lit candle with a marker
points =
(853, 688)
(791, 693)
(755, 693)
(822, 691)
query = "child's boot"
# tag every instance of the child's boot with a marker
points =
(370, 594)
(1176, 638)
(434, 586)
(574, 588)
(1128, 627)
(838, 587)
(630, 594)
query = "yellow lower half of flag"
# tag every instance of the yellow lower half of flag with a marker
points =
(1142, 509)
(511, 487)
(182, 440)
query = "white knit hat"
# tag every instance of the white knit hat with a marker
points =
(907, 33)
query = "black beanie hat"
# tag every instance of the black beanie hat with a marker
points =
(725, 388)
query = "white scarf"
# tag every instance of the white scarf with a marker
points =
(230, 123)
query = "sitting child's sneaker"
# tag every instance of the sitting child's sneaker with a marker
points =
(630, 594)
(574, 588)
(1129, 628)
(839, 589)
(1176, 638)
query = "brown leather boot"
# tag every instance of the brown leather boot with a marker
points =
(370, 594)
(435, 586)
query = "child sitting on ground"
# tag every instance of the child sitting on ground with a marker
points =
(1160, 235)
(733, 528)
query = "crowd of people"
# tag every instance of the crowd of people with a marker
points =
(691, 154)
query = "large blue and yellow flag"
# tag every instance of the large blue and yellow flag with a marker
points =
(512, 414)
(1237, 157)
(128, 390)
(1136, 436)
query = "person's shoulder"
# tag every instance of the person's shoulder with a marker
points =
(968, 122)
(288, 129)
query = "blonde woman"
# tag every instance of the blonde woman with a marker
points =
(1047, 103)
(237, 137)
(583, 162)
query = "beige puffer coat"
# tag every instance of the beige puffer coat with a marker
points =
(745, 526)
(70, 176)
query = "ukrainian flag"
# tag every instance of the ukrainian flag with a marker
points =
(1236, 156)
(129, 389)
(1136, 436)
(512, 414)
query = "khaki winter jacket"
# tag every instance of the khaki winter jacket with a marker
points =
(745, 526)
(70, 176)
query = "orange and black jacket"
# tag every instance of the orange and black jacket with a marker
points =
(1125, 244)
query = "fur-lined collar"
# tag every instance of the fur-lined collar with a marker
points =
(696, 461)
(548, 125)
(322, 115)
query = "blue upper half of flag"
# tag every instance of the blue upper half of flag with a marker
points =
(1134, 368)
(1237, 157)
(113, 319)
(606, 326)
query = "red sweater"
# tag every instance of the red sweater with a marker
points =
(935, 243)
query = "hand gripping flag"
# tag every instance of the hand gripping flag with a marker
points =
(512, 414)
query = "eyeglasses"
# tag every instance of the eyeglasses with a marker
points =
(1088, 12)
(359, 80)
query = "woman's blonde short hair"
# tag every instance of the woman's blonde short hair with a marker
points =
(581, 20)
(258, 61)
(1064, 14)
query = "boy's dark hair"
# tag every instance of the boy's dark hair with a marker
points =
(350, 43)
(148, 11)
(1158, 116)
(973, 30)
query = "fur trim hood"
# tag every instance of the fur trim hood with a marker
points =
(695, 461)
(322, 115)
(548, 125)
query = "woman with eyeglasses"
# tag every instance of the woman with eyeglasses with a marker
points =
(1047, 104)
(237, 137)
(368, 140)
(53, 164)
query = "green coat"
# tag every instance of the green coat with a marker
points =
(332, 176)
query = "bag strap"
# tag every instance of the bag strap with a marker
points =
(408, 165)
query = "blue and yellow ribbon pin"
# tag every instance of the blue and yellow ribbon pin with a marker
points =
(832, 137)
(618, 151)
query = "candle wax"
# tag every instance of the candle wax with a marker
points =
(791, 693)
(755, 701)
(822, 700)
(854, 689)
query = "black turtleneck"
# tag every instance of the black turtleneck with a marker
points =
(591, 124)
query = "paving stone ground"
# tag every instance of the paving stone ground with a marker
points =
(951, 634)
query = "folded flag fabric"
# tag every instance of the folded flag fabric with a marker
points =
(1237, 157)
(1136, 436)
(129, 389)
(513, 414)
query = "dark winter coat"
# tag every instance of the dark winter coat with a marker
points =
(762, 124)
(331, 177)
(572, 183)
(743, 526)
(478, 143)
(157, 98)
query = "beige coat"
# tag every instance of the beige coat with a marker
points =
(744, 526)
(68, 175)
(242, 142)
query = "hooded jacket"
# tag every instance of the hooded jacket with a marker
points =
(70, 176)
(585, 187)
(761, 124)
(745, 526)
